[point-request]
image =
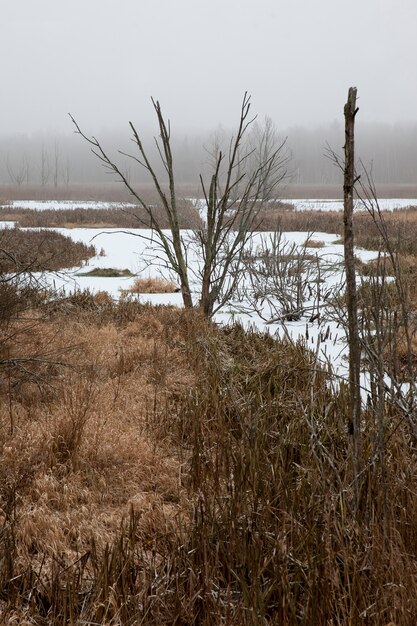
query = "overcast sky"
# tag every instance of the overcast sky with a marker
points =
(102, 60)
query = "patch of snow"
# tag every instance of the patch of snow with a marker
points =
(386, 204)
(302, 204)
(130, 249)
(42, 205)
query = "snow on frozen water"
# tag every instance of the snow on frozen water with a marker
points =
(299, 204)
(130, 250)
(120, 250)
(323, 204)
(42, 205)
(386, 204)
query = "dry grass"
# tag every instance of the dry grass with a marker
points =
(80, 455)
(157, 470)
(401, 227)
(311, 243)
(172, 472)
(106, 272)
(133, 217)
(387, 298)
(152, 285)
(38, 251)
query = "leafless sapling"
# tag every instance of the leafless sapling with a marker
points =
(237, 190)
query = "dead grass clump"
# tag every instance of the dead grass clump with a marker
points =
(405, 265)
(311, 243)
(84, 304)
(106, 272)
(152, 285)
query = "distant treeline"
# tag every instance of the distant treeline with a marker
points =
(58, 161)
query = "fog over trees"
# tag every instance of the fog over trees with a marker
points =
(49, 160)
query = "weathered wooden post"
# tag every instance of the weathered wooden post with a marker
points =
(350, 111)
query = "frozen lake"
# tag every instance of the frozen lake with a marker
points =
(386, 204)
(302, 204)
(130, 250)
(136, 250)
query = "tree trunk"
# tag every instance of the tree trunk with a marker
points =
(353, 332)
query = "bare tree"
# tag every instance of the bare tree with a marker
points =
(56, 163)
(66, 172)
(20, 174)
(264, 139)
(234, 196)
(45, 167)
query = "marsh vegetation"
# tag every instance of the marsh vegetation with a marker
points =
(158, 469)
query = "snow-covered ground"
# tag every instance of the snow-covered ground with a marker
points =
(118, 250)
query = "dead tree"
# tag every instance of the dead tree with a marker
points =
(45, 167)
(56, 163)
(264, 139)
(233, 199)
(66, 172)
(20, 174)
(350, 112)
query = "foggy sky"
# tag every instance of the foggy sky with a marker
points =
(102, 60)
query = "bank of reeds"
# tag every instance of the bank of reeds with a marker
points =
(401, 223)
(401, 227)
(122, 217)
(40, 250)
(177, 473)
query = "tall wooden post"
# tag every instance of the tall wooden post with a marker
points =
(353, 332)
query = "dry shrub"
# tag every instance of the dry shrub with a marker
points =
(152, 285)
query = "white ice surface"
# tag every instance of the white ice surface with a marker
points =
(123, 250)
(127, 250)
(385, 204)
(42, 205)
(299, 204)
